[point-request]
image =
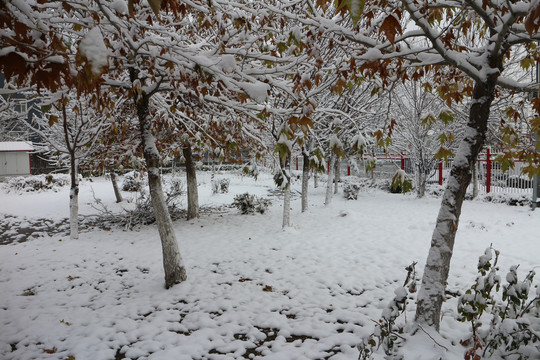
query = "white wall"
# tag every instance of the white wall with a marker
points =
(14, 163)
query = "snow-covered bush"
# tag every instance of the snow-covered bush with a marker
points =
(38, 182)
(176, 187)
(388, 335)
(401, 183)
(249, 204)
(514, 329)
(132, 183)
(220, 186)
(251, 170)
(435, 190)
(509, 199)
(350, 191)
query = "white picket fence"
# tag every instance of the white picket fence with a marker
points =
(489, 174)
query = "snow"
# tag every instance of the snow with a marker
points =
(257, 91)
(309, 292)
(227, 63)
(372, 54)
(16, 146)
(120, 6)
(93, 48)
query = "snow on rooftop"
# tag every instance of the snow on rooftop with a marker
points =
(16, 146)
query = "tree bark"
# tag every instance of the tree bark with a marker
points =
(330, 182)
(475, 181)
(286, 193)
(191, 178)
(337, 175)
(315, 178)
(421, 179)
(175, 271)
(74, 200)
(305, 181)
(432, 291)
(117, 193)
(287, 205)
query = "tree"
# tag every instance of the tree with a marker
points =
(467, 44)
(426, 128)
(69, 129)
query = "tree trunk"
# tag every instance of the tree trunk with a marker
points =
(330, 182)
(337, 175)
(285, 169)
(191, 178)
(74, 200)
(175, 271)
(432, 291)
(115, 187)
(315, 178)
(421, 179)
(287, 205)
(475, 181)
(305, 181)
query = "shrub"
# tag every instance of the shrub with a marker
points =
(132, 183)
(220, 186)
(176, 188)
(350, 191)
(388, 335)
(512, 333)
(38, 182)
(514, 328)
(249, 204)
(401, 183)
(251, 170)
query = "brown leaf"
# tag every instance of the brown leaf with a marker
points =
(155, 5)
(532, 22)
(50, 351)
(390, 27)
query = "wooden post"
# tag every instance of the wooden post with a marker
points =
(297, 163)
(440, 172)
(402, 162)
(349, 170)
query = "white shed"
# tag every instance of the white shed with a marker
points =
(15, 158)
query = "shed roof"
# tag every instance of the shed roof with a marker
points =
(16, 146)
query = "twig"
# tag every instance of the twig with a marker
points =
(431, 337)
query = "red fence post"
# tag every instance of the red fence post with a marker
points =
(488, 171)
(297, 163)
(440, 172)
(402, 162)
(328, 167)
(348, 171)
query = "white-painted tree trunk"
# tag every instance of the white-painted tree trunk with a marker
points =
(337, 175)
(330, 183)
(285, 170)
(305, 181)
(173, 265)
(74, 202)
(287, 205)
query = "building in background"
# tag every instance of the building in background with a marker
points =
(15, 158)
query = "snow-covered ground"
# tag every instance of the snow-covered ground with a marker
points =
(311, 291)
